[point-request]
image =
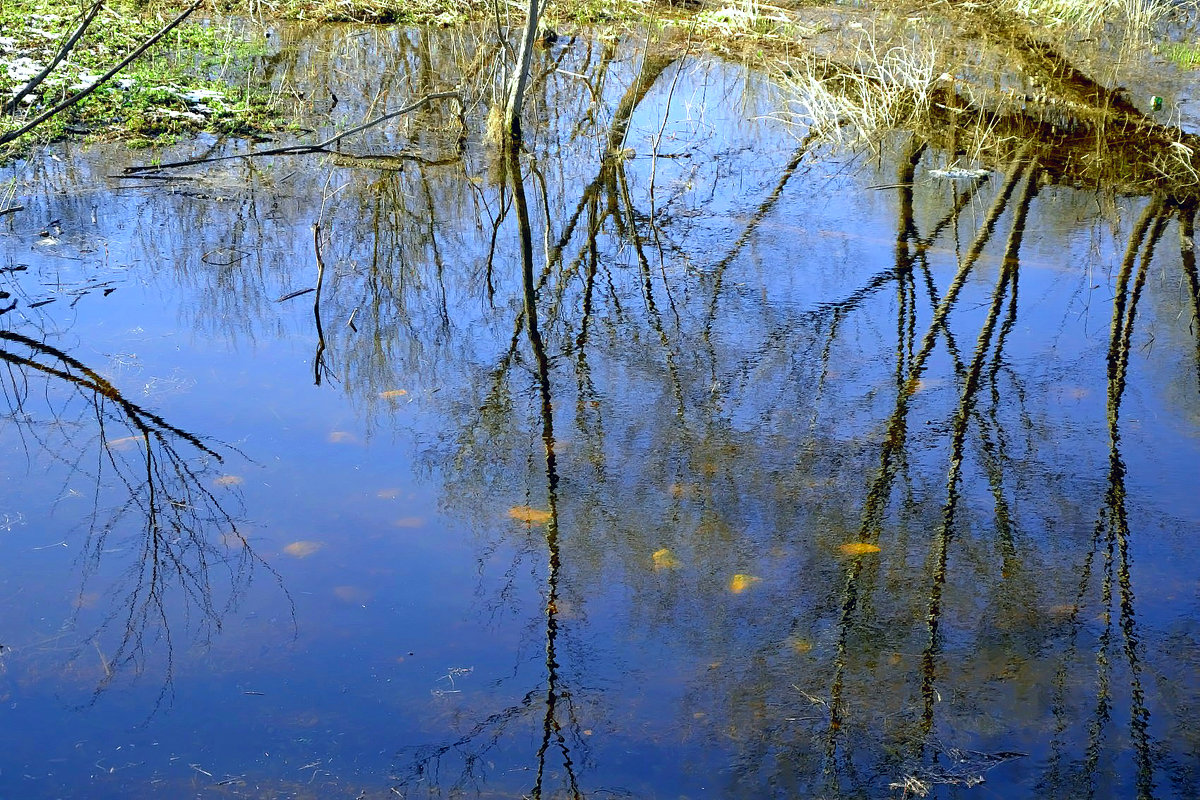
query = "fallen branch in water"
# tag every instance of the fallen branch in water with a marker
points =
(304, 149)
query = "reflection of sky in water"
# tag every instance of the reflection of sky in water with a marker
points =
(398, 607)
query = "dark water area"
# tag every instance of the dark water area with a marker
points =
(770, 469)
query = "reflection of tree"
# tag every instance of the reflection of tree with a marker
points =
(747, 433)
(162, 472)
(688, 435)
(559, 725)
(556, 699)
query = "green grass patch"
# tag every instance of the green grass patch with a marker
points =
(1183, 55)
(201, 76)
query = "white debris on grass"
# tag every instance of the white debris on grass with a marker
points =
(189, 116)
(198, 100)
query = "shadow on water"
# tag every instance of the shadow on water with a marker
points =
(784, 471)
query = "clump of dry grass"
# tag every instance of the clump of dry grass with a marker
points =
(890, 89)
(1138, 17)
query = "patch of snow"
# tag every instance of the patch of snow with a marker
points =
(21, 69)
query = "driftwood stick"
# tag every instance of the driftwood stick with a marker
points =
(87, 90)
(68, 46)
(302, 149)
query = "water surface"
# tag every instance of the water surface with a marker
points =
(773, 468)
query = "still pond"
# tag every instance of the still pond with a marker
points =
(678, 457)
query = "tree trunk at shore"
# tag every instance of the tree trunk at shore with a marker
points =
(520, 76)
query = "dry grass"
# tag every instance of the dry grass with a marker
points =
(1138, 17)
(890, 89)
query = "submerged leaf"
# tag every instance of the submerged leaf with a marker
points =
(388, 494)
(664, 559)
(351, 594)
(341, 437)
(409, 522)
(741, 582)
(125, 442)
(302, 549)
(799, 645)
(528, 515)
(392, 394)
(228, 480)
(858, 548)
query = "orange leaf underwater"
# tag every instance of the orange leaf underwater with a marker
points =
(302, 549)
(528, 515)
(740, 582)
(664, 559)
(858, 548)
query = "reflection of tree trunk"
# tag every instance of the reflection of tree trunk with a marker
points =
(1110, 544)
(1187, 254)
(551, 727)
(654, 64)
(1113, 523)
(897, 429)
(962, 416)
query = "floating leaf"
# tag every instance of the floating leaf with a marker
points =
(351, 594)
(741, 582)
(858, 548)
(528, 515)
(800, 646)
(302, 549)
(392, 394)
(664, 559)
(228, 480)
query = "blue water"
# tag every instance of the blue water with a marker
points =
(347, 602)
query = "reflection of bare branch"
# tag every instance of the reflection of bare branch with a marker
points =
(185, 534)
(86, 378)
(319, 367)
